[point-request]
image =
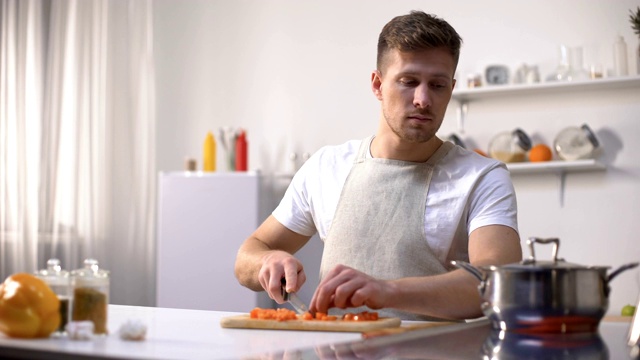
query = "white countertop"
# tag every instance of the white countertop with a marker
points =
(196, 334)
(177, 334)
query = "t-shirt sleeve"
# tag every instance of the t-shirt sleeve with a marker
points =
(494, 200)
(293, 211)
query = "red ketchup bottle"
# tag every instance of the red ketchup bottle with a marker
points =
(241, 151)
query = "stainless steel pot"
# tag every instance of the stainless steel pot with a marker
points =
(544, 296)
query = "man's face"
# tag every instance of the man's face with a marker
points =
(414, 89)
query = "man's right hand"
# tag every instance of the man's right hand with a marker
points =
(277, 265)
(266, 256)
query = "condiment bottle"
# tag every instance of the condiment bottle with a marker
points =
(209, 153)
(91, 295)
(510, 146)
(59, 281)
(575, 143)
(241, 151)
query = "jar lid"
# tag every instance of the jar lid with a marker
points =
(90, 270)
(590, 135)
(53, 274)
(522, 139)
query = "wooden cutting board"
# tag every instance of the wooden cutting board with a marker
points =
(246, 322)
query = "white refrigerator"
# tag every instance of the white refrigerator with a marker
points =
(202, 220)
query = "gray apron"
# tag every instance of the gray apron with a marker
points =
(378, 226)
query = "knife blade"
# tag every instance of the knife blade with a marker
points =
(293, 299)
(634, 329)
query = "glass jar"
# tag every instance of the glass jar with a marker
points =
(578, 70)
(474, 81)
(575, 143)
(59, 281)
(510, 146)
(563, 70)
(91, 295)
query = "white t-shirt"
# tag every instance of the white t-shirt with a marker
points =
(467, 191)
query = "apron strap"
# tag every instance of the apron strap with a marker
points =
(365, 145)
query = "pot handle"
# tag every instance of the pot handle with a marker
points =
(469, 268)
(532, 240)
(622, 268)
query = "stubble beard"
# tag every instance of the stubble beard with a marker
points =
(413, 134)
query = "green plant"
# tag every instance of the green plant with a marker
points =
(634, 19)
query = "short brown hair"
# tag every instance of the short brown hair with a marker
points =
(417, 31)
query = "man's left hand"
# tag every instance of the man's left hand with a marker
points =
(344, 287)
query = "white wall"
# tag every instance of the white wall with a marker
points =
(296, 75)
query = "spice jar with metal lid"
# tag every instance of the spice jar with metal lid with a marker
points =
(59, 281)
(510, 146)
(576, 143)
(91, 295)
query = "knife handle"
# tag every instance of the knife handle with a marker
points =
(283, 291)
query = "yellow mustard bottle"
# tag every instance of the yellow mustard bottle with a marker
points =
(209, 153)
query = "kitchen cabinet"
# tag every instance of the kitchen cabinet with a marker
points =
(203, 218)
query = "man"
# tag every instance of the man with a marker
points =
(394, 209)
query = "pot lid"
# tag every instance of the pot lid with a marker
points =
(538, 265)
(533, 264)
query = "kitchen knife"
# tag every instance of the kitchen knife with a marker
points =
(634, 331)
(293, 299)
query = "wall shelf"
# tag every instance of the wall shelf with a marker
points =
(560, 168)
(556, 167)
(489, 91)
(464, 96)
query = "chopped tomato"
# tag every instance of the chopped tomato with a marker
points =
(363, 316)
(273, 314)
(320, 315)
(254, 313)
(286, 314)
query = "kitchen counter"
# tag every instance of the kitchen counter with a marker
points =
(477, 340)
(171, 334)
(196, 334)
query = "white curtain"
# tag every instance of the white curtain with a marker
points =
(77, 138)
